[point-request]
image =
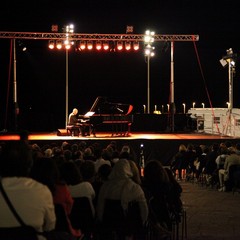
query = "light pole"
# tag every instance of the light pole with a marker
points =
(16, 109)
(230, 59)
(68, 29)
(149, 52)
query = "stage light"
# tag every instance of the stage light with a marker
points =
(149, 50)
(67, 44)
(98, 45)
(136, 46)
(59, 44)
(70, 28)
(82, 45)
(184, 108)
(89, 45)
(51, 44)
(149, 37)
(228, 104)
(105, 45)
(119, 45)
(223, 62)
(127, 46)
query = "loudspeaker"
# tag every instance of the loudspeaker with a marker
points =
(62, 132)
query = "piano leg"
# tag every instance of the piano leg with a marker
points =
(87, 129)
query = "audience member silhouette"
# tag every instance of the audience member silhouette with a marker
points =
(46, 171)
(179, 161)
(32, 200)
(122, 188)
(76, 184)
(157, 188)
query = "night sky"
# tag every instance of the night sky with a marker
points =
(122, 77)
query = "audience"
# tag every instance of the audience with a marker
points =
(57, 173)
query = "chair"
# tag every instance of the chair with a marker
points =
(231, 173)
(81, 216)
(18, 233)
(62, 224)
(236, 180)
(73, 130)
(117, 224)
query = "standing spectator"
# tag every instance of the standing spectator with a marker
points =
(179, 161)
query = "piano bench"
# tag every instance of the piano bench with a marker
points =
(73, 130)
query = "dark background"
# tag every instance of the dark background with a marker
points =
(122, 77)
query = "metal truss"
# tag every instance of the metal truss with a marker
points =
(96, 36)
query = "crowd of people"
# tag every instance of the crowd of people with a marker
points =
(37, 179)
(212, 164)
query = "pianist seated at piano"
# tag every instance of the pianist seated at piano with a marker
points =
(73, 125)
(77, 124)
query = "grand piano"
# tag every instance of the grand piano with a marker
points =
(117, 116)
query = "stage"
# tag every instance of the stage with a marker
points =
(161, 146)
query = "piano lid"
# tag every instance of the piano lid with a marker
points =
(102, 106)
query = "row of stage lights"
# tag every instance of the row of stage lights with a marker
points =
(98, 45)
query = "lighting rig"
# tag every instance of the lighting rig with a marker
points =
(88, 41)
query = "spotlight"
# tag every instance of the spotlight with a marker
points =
(127, 46)
(59, 44)
(223, 62)
(89, 45)
(82, 45)
(67, 44)
(51, 44)
(119, 46)
(136, 46)
(98, 45)
(149, 37)
(105, 45)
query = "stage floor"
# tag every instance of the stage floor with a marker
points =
(106, 135)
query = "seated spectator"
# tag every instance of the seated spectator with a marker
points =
(46, 171)
(99, 159)
(232, 159)
(88, 172)
(77, 186)
(122, 188)
(32, 200)
(179, 161)
(157, 188)
(174, 198)
(134, 168)
(200, 162)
